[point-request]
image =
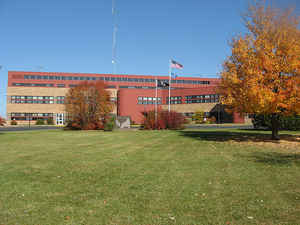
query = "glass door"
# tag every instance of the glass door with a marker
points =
(60, 119)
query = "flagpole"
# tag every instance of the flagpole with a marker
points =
(169, 107)
(156, 101)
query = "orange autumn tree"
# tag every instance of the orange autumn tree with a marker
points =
(2, 121)
(88, 106)
(262, 75)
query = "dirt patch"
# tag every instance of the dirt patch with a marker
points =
(291, 143)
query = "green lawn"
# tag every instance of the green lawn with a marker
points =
(148, 177)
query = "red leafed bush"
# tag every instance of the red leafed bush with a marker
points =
(2, 121)
(164, 120)
(88, 106)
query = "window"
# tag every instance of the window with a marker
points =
(60, 85)
(31, 99)
(148, 100)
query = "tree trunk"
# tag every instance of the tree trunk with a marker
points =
(275, 126)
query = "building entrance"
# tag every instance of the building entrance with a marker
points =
(60, 119)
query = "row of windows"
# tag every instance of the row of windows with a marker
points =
(75, 85)
(209, 100)
(144, 87)
(31, 114)
(36, 97)
(42, 99)
(175, 102)
(149, 98)
(116, 79)
(32, 101)
(137, 87)
(32, 85)
(174, 98)
(60, 97)
(149, 102)
(190, 114)
(38, 85)
(33, 97)
(202, 96)
(15, 99)
(31, 118)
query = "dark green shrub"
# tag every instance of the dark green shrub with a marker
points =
(13, 122)
(286, 122)
(109, 126)
(40, 122)
(110, 123)
(50, 121)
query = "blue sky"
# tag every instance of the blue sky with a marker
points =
(76, 36)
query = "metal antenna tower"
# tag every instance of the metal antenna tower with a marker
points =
(114, 36)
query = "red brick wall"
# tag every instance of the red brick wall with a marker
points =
(128, 99)
(237, 118)
(128, 102)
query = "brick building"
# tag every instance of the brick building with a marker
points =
(40, 95)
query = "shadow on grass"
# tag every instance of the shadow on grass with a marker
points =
(223, 136)
(275, 158)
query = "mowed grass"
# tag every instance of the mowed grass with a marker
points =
(148, 177)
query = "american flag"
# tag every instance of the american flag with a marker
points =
(176, 65)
